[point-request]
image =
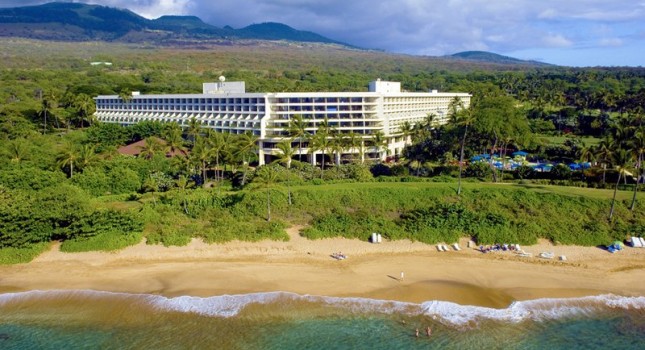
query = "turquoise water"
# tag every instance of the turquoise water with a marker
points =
(102, 320)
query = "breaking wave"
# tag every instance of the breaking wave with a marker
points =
(445, 312)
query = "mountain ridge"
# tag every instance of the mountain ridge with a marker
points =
(84, 22)
(486, 56)
(65, 21)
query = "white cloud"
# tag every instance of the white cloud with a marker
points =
(556, 40)
(610, 42)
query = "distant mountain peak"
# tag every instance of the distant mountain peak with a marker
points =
(278, 31)
(490, 57)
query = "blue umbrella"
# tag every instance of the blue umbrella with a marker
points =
(520, 153)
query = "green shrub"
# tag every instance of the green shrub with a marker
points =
(108, 241)
(123, 180)
(524, 172)
(170, 235)
(480, 170)
(30, 178)
(225, 227)
(93, 180)
(11, 255)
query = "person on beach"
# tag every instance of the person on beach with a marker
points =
(417, 332)
(428, 331)
(402, 275)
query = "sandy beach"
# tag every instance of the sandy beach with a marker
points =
(306, 267)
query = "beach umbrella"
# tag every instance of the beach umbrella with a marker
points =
(520, 153)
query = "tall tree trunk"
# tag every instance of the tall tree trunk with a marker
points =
(604, 173)
(204, 173)
(638, 176)
(219, 177)
(490, 162)
(322, 164)
(461, 160)
(246, 167)
(613, 200)
(503, 154)
(268, 205)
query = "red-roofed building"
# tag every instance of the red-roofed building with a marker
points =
(134, 149)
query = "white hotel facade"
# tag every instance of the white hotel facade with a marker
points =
(226, 107)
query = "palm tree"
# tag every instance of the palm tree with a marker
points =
(320, 142)
(85, 107)
(604, 151)
(221, 145)
(379, 142)
(67, 156)
(354, 142)
(194, 129)
(337, 146)
(201, 154)
(463, 118)
(86, 156)
(638, 149)
(429, 121)
(151, 147)
(298, 130)
(621, 159)
(247, 146)
(173, 137)
(586, 154)
(17, 150)
(47, 103)
(267, 175)
(125, 96)
(406, 130)
(286, 153)
(151, 184)
(182, 183)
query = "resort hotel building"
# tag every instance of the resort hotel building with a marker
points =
(227, 107)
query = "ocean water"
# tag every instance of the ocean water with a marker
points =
(88, 319)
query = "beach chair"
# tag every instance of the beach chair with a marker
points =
(456, 247)
(439, 248)
(636, 242)
(642, 241)
(547, 255)
(445, 248)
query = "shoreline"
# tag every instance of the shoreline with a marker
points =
(306, 267)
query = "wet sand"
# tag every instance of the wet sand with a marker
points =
(370, 271)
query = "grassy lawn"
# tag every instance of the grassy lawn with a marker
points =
(559, 140)
(579, 191)
(561, 190)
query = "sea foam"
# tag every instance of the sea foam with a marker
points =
(445, 312)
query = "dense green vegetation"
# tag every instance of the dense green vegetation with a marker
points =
(61, 178)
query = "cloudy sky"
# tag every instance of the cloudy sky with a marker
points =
(565, 32)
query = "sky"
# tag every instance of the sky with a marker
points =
(565, 32)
